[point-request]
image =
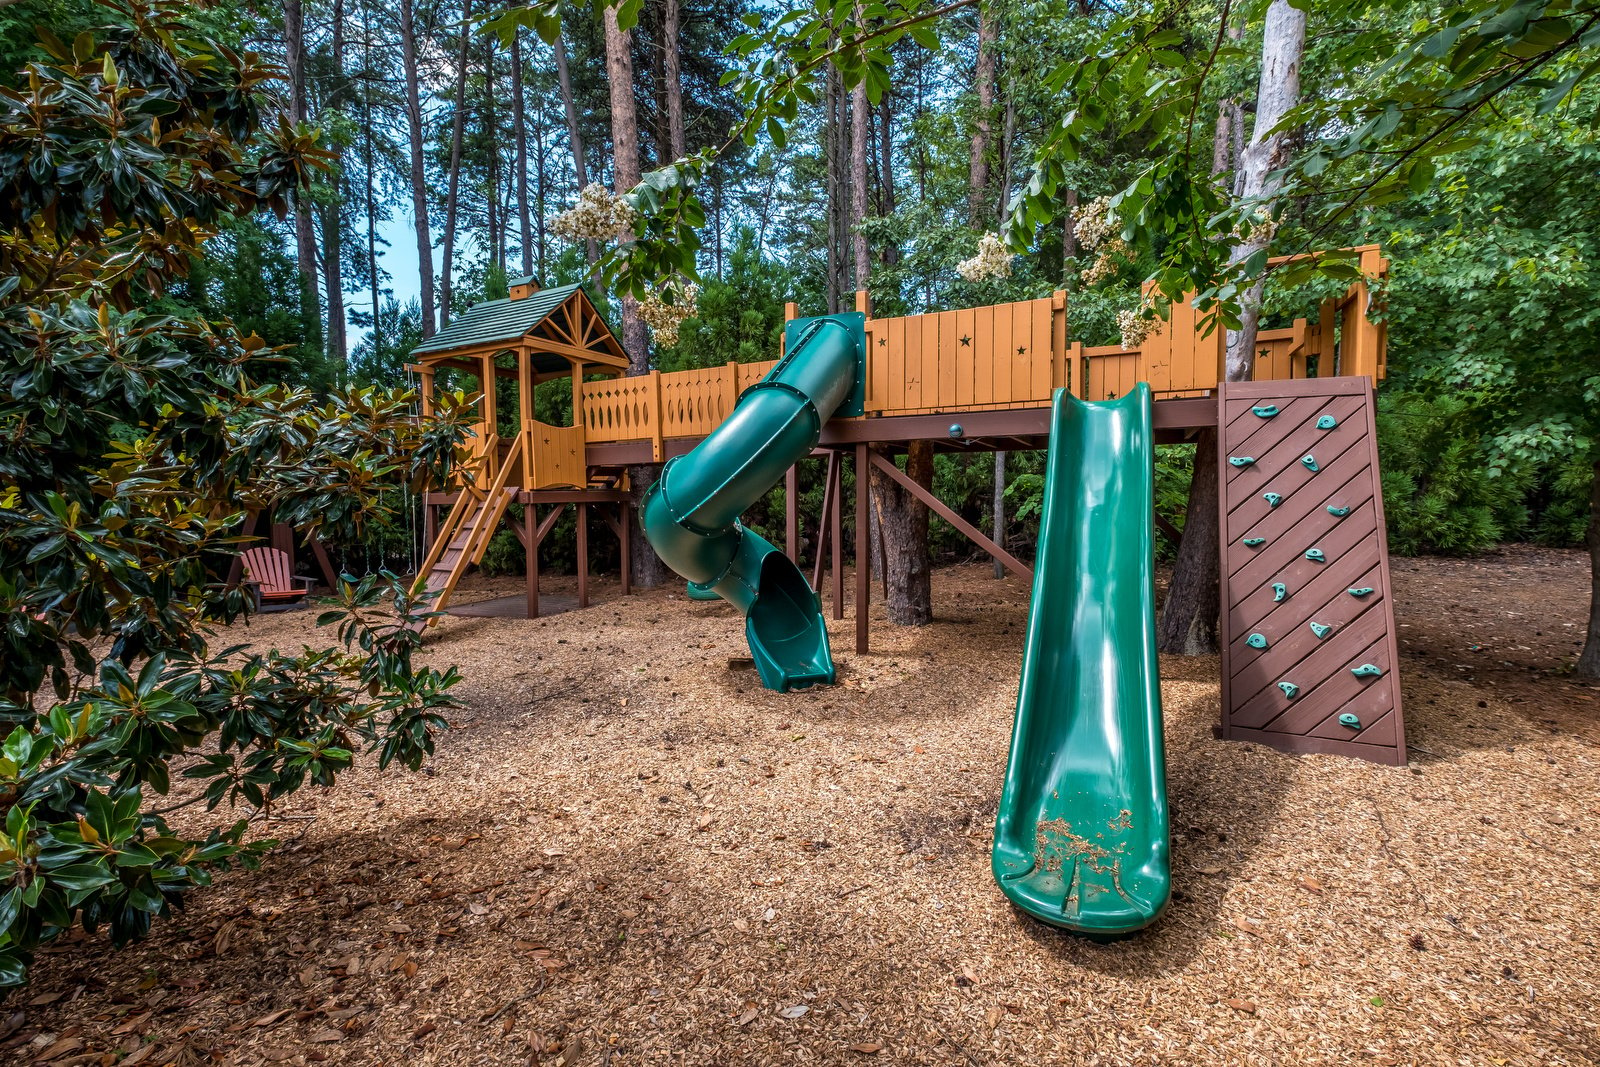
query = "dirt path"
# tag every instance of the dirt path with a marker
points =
(629, 854)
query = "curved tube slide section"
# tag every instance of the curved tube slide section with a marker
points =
(1081, 839)
(691, 514)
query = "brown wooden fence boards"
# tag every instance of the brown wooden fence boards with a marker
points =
(1288, 618)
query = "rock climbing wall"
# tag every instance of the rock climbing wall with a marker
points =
(1308, 642)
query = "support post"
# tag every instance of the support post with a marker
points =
(823, 524)
(863, 550)
(791, 513)
(625, 521)
(836, 522)
(583, 555)
(430, 525)
(530, 548)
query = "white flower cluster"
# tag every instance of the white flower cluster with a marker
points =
(1135, 327)
(1095, 228)
(1092, 222)
(664, 318)
(992, 261)
(599, 214)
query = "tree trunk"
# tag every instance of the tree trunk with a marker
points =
(647, 568)
(860, 174)
(834, 165)
(580, 169)
(333, 213)
(1188, 624)
(1588, 668)
(305, 233)
(519, 128)
(984, 83)
(673, 80)
(886, 167)
(498, 219)
(998, 532)
(1189, 618)
(452, 207)
(908, 572)
(419, 177)
(1283, 48)
(333, 275)
(370, 165)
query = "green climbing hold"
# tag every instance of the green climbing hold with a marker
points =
(1321, 629)
(1327, 422)
(1363, 591)
(1256, 641)
(1280, 592)
(1241, 461)
(1289, 689)
(1252, 542)
(1272, 499)
(1338, 512)
(1266, 411)
(1315, 555)
(1309, 462)
(1367, 670)
(1352, 721)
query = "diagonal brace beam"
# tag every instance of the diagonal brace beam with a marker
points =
(973, 534)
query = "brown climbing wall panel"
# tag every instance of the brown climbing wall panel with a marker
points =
(1306, 598)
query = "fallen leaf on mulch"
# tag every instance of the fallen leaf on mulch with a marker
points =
(423, 1031)
(1246, 1006)
(327, 1036)
(866, 1048)
(749, 1015)
(794, 1011)
(1249, 926)
(61, 1048)
(271, 1017)
(1311, 884)
(1208, 870)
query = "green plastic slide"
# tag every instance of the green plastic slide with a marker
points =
(691, 514)
(1081, 840)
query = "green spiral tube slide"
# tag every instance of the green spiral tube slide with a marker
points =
(691, 514)
(1081, 838)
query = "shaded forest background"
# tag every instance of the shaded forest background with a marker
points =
(454, 147)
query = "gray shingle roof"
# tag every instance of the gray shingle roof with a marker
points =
(497, 320)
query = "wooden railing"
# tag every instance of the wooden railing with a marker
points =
(974, 359)
(1003, 356)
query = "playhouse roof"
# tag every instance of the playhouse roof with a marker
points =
(558, 324)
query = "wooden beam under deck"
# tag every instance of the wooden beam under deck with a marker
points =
(981, 431)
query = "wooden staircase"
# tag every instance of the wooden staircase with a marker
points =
(464, 535)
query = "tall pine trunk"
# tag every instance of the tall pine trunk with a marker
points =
(422, 224)
(580, 168)
(333, 213)
(860, 174)
(647, 568)
(672, 80)
(452, 204)
(982, 133)
(305, 233)
(519, 128)
(1189, 618)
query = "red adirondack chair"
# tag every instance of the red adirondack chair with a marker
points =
(268, 570)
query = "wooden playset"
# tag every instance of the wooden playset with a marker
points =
(980, 379)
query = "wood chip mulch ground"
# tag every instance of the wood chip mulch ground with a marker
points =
(628, 853)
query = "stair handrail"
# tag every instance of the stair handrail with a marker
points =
(480, 536)
(465, 500)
